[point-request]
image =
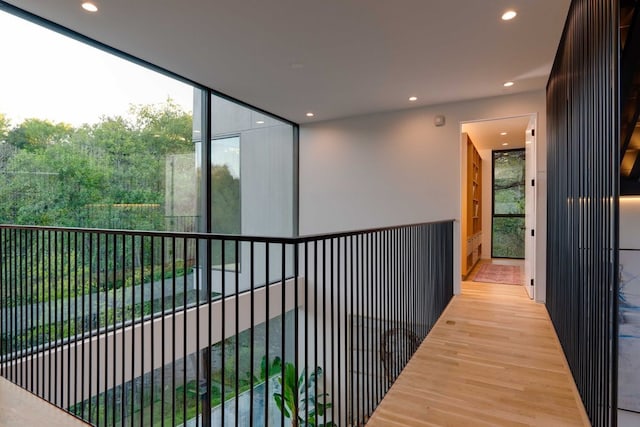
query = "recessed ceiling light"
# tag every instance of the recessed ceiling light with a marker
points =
(508, 84)
(509, 15)
(89, 6)
(505, 143)
(503, 133)
(309, 114)
(260, 122)
(413, 98)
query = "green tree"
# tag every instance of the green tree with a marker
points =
(51, 186)
(5, 125)
(108, 175)
(34, 134)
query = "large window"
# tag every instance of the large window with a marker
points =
(90, 139)
(508, 227)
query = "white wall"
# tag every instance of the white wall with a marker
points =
(398, 168)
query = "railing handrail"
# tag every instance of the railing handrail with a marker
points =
(224, 237)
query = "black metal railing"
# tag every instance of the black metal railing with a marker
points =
(157, 328)
(582, 212)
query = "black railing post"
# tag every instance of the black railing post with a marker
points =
(113, 343)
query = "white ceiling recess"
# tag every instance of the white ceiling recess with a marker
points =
(487, 134)
(335, 58)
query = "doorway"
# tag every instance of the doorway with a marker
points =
(504, 200)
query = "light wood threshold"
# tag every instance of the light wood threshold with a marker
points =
(493, 359)
(20, 408)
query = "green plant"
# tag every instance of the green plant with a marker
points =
(298, 400)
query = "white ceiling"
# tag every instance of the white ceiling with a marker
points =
(486, 134)
(336, 58)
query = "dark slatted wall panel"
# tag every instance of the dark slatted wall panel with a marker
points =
(583, 168)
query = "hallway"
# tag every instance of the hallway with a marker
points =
(492, 359)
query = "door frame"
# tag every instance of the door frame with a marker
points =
(535, 292)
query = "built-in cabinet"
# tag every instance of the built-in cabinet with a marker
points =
(472, 209)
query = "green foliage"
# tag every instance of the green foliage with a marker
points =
(509, 199)
(37, 134)
(297, 398)
(57, 175)
(5, 125)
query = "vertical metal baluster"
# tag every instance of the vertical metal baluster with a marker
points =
(114, 310)
(237, 321)
(54, 343)
(206, 408)
(21, 304)
(163, 330)
(334, 345)
(3, 304)
(360, 332)
(123, 389)
(266, 336)
(223, 324)
(252, 330)
(84, 320)
(152, 330)
(339, 308)
(132, 322)
(91, 363)
(95, 367)
(196, 278)
(185, 302)
(324, 326)
(305, 369)
(296, 305)
(369, 345)
(34, 306)
(69, 340)
(173, 330)
(282, 324)
(350, 329)
(142, 328)
(315, 322)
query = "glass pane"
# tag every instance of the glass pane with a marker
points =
(252, 188)
(508, 237)
(225, 185)
(508, 182)
(91, 139)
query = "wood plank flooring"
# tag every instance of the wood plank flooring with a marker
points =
(493, 359)
(18, 407)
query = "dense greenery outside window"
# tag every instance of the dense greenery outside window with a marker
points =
(92, 140)
(508, 204)
(89, 139)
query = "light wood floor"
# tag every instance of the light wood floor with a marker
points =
(20, 408)
(492, 359)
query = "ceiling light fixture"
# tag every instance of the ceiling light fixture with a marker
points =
(509, 15)
(89, 6)
(310, 114)
(508, 84)
(260, 122)
(413, 98)
(503, 133)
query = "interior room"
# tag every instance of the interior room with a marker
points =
(335, 213)
(494, 208)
